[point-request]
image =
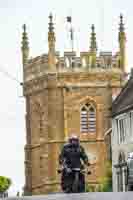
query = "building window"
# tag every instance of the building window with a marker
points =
(131, 125)
(91, 120)
(84, 120)
(117, 130)
(122, 130)
(121, 171)
(121, 124)
(118, 181)
(88, 119)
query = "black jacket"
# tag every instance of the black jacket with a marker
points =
(73, 155)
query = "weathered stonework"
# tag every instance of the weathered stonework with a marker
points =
(55, 93)
(53, 113)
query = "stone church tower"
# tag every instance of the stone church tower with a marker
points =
(66, 95)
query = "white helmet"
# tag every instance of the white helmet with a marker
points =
(74, 139)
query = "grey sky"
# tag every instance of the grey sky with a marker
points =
(13, 13)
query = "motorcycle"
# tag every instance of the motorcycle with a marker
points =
(77, 176)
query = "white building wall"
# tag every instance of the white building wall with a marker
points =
(125, 146)
(114, 155)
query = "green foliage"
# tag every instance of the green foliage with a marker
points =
(90, 188)
(105, 183)
(5, 183)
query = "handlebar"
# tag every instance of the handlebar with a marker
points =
(76, 169)
(59, 171)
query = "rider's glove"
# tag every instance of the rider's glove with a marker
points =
(88, 164)
(68, 170)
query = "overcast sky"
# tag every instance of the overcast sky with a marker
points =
(13, 13)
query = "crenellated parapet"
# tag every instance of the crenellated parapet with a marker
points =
(38, 66)
(88, 61)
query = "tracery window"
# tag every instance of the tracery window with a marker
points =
(88, 118)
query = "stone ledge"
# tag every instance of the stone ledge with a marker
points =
(83, 196)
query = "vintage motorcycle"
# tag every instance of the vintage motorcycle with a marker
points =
(76, 177)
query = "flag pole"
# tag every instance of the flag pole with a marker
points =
(69, 19)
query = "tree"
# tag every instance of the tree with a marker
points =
(105, 182)
(5, 183)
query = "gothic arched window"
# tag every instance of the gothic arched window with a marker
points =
(84, 120)
(91, 120)
(88, 119)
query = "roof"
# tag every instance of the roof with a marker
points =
(124, 100)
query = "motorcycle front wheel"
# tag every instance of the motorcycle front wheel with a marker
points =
(78, 183)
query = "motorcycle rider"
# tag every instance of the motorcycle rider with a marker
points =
(72, 156)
